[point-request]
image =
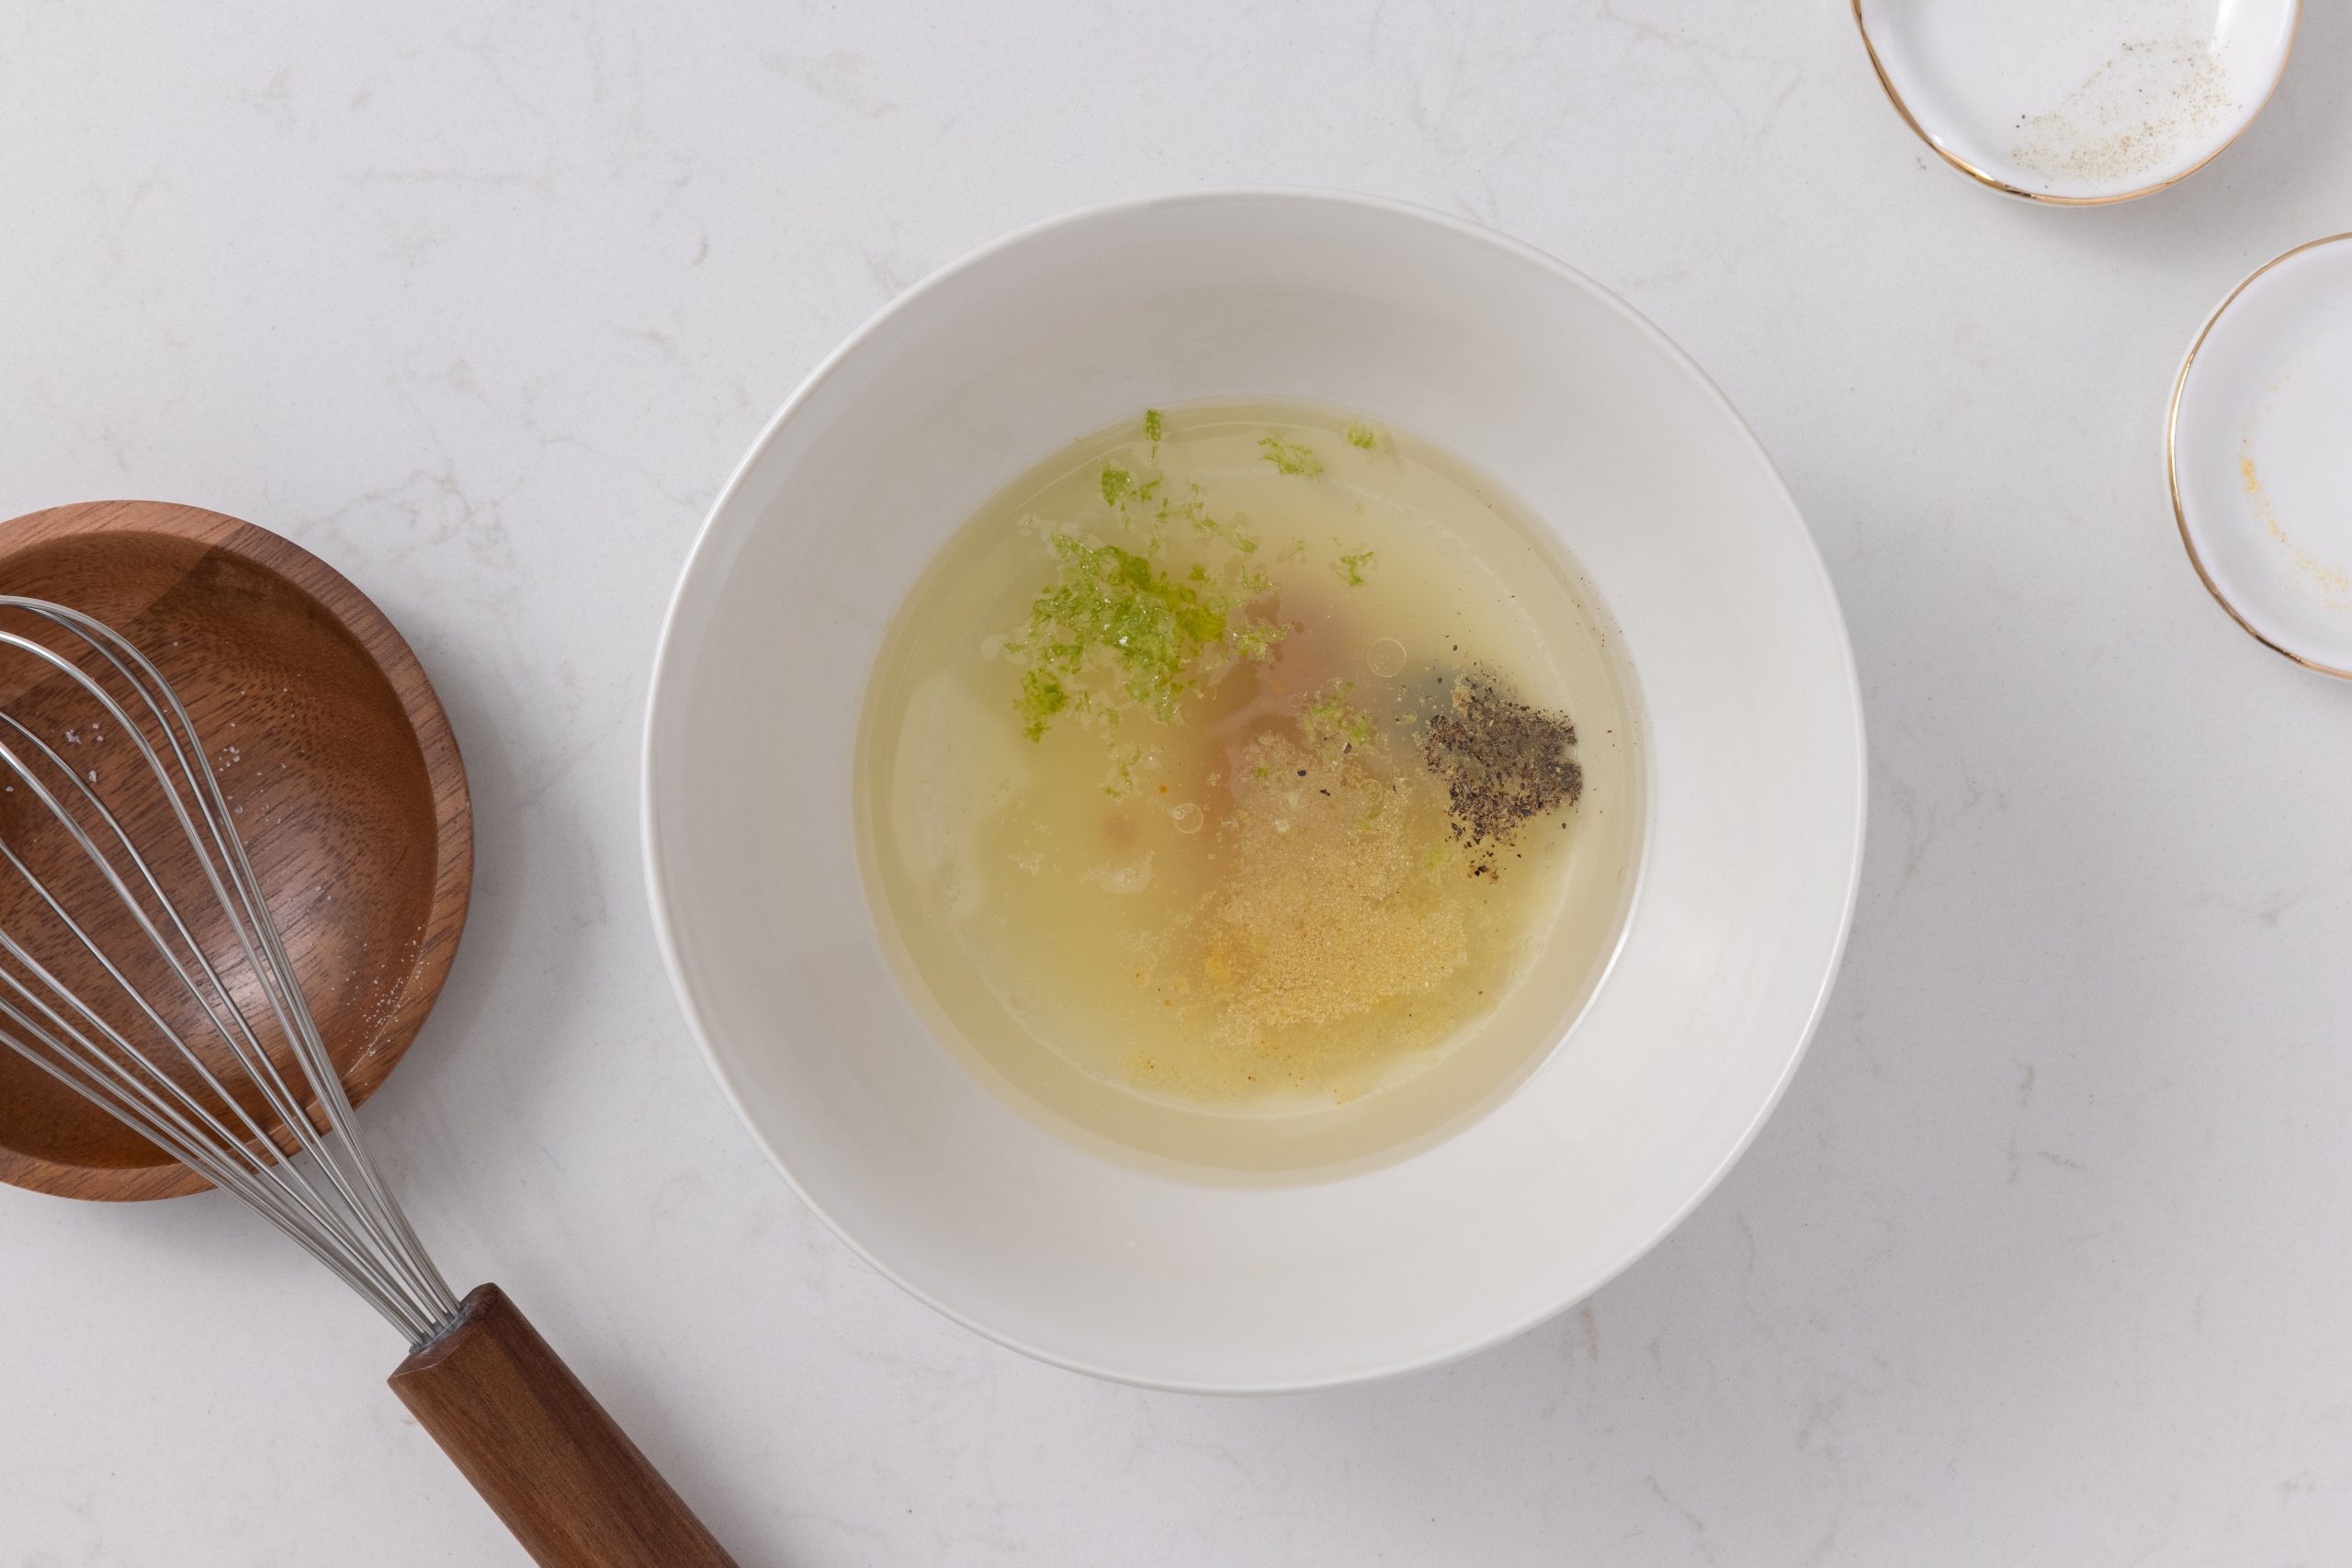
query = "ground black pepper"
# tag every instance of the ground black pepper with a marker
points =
(1503, 764)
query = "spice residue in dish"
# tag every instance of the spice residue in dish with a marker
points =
(2333, 581)
(2131, 116)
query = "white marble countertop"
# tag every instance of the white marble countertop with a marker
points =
(2040, 1261)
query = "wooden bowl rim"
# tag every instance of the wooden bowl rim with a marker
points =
(444, 771)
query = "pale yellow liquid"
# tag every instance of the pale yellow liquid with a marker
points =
(1217, 942)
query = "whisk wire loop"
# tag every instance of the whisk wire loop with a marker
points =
(282, 1139)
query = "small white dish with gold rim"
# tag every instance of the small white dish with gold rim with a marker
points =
(2078, 103)
(2260, 465)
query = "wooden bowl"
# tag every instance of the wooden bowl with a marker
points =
(316, 715)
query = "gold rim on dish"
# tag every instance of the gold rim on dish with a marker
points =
(1992, 183)
(2172, 455)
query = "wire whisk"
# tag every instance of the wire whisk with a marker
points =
(157, 1066)
(142, 969)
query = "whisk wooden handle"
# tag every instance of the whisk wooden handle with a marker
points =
(541, 1450)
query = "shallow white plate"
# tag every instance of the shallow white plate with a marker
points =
(2078, 102)
(1530, 372)
(2260, 450)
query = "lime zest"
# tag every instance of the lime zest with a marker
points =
(1295, 458)
(1351, 568)
(1331, 723)
(1136, 627)
(1041, 697)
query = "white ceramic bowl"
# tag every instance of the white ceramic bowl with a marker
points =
(2261, 472)
(2078, 102)
(1532, 373)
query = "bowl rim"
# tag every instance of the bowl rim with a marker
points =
(2172, 456)
(2048, 199)
(659, 894)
